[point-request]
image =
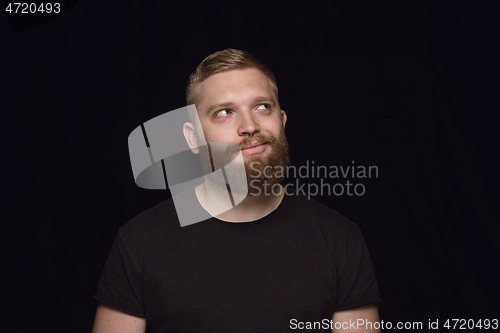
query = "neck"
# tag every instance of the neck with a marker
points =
(216, 201)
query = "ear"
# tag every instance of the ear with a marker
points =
(283, 117)
(190, 135)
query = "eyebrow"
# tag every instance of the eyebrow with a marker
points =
(259, 99)
(267, 99)
(221, 105)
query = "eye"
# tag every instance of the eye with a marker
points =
(222, 113)
(263, 107)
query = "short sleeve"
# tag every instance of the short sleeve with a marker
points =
(120, 285)
(357, 285)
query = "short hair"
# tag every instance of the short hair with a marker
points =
(223, 61)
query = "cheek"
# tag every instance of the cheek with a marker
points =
(277, 126)
(208, 131)
(216, 135)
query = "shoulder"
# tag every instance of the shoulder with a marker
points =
(136, 233)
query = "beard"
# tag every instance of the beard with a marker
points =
(262, 171)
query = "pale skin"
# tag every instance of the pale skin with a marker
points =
(234, 105)
(367, 313)
(110, 320)
(231, 106)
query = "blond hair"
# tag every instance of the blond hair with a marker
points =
(223, 61)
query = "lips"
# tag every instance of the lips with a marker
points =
(255, 144)
(254, 148)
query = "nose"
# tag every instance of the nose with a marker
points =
(248, 124)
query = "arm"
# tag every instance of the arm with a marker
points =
(110, 320)
(369, 314)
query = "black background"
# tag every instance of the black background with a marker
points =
(409, 86)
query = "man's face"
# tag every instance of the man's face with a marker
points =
(240, 106)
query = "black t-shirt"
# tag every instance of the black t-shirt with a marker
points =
(301, 262)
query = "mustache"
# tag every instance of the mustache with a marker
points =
(257, 137)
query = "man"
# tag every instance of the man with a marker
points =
(272, 263)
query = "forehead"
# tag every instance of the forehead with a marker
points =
(234, 86)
